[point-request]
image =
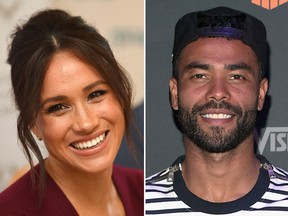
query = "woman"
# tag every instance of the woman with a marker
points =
(72, 95)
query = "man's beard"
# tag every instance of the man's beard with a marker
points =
(217, 139)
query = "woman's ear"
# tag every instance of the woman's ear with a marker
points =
(36, 132)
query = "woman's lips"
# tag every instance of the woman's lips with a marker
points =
(90, 143)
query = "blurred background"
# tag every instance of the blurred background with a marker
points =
(120, 22)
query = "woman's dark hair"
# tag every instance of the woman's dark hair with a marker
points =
(33, 46)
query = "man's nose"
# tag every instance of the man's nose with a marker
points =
(218, 90)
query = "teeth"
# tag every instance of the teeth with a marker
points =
(90, 143)
(217, 116)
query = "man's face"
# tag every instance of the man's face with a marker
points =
(217, 93)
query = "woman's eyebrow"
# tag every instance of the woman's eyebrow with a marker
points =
(92, 85)
(54, 99)
(58, 98)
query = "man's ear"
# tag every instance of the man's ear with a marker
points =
(263, 88)
(173, 93)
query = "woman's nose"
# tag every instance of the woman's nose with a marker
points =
(84, 120)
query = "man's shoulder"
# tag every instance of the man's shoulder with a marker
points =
(158, 186)
(279, 175)
(275, 173)
(158, 177)
(280, 170)
(160, 195)
(163, 176)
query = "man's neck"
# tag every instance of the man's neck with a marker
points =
(220, 177)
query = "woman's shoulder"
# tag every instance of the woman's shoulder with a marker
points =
(16, 194)
(128, 172)
(130, 186)
(24, 197)
(128, 180)
(122, 167)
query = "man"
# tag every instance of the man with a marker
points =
(220, 59)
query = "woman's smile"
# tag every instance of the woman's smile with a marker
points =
(79, 123)
(89, 144)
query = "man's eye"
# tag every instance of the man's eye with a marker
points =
(199, 76)
(56, 108)
(237, 77)
(96, 94)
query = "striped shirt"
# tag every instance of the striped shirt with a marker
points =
(167, 194)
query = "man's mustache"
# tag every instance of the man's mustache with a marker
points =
(215, 105)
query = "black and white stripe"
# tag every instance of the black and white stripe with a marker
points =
(269, 197)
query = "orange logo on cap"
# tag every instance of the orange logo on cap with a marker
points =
(269, 4)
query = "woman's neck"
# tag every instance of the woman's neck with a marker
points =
(88, 192)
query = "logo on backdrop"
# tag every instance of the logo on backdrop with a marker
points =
(269, 4)
(274, 139)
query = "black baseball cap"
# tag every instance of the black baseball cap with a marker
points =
(221, 22)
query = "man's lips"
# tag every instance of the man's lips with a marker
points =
(217, 116)
(217, 110)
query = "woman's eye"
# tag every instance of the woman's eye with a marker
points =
(96, 94)
(56, 108)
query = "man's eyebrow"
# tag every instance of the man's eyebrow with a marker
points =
(198, 65)
(238, 66)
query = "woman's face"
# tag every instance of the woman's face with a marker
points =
(80, 120)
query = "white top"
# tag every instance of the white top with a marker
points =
(269, 196)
